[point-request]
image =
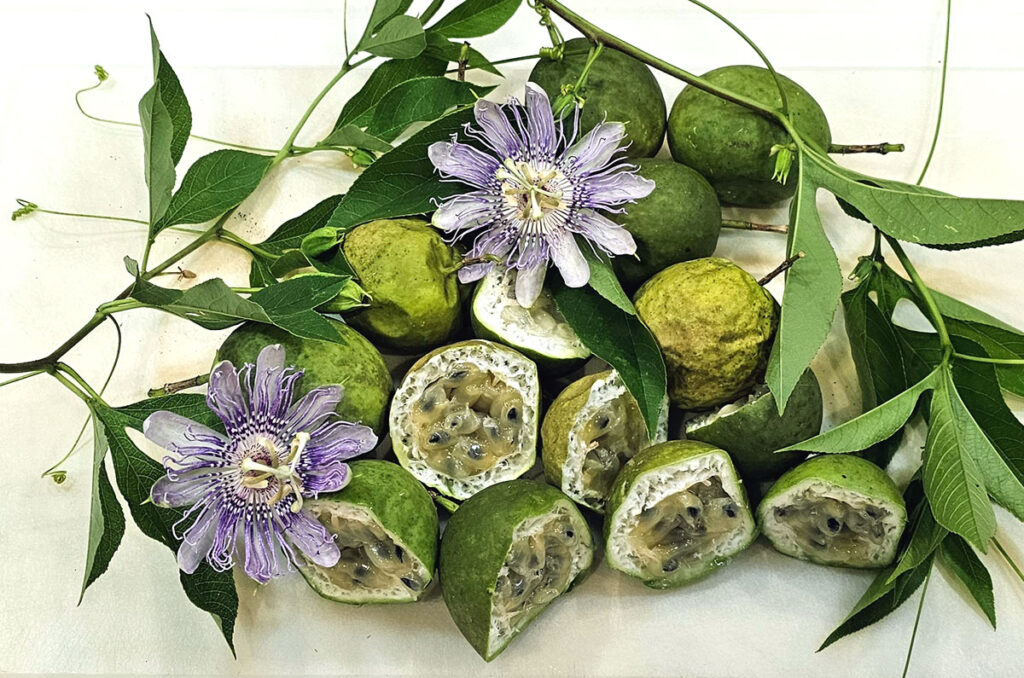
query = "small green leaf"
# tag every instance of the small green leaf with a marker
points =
(353, 137)
(875, 348)
(953, 480)
(603, 279)
(214, 184)
(813, 286)
(360, 108)
(421, 99)
(622, 341)
(289, 235)
(260, 274)
(106, 519)
(383, 11)
(958, 556)
(870, 428)
(131, 266)
(400, 38)
(319, 241)
(474, 18)
(210, 304)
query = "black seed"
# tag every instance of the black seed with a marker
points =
(513, 414)
(400, 554)
(475, 451)
(872, 512)
(780, 512)
(455, 422)
(410, 584)
(459, 375)
(730, 510)
(570, 534)
(833, 525)
(670, 566)
(438, 438)
(362, 569)
(603, 422)
(426, 405)
(693, 511)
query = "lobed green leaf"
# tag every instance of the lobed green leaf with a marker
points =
(360, 108)
(474, 18)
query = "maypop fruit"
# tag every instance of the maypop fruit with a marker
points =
(835, 509)
(466, 416)
(677, 512)
(409, 272)
(678, 221)
(714, 325)
(591, 429)
(618, 89)
(731, 145)
(353, 363)
(506, 554)
(386, 526)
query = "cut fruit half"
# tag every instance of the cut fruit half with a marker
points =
(591, 429)
(465, 417)
(837, 510)
(386, 527)
(539, 332)
(677, 512)
(506, 554)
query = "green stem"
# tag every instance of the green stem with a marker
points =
(499, 62)
(246, 290)
(70, 371)
(239, 241)
(881, 149)
(70, 385)
(986, 359)
(175, 386)
(926, 294)
(917, 620)
(21, 377)
(82, 215)
(942, 94)
(1008, 559)
(119, 305)
(739, 224)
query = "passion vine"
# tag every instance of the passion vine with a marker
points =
(456, 189)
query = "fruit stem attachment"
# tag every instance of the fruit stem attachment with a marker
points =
(739, 224)
(881, 149)
(785, 265)
(175, 386)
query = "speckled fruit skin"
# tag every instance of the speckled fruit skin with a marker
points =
(409, 272)
(730, 144)
(651, 459)
(399, 502)
(678, 221)
(474, 546)
(714, 325)
(752, 434)
(619, 89)
(354, 362)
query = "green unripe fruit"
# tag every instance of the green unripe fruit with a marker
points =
(618, 89)
(731, 145)
(714, 325)
(409, 272)
(354, 363)
(678, 221)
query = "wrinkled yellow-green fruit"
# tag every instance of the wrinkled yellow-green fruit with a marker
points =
(714, 325)
(409, 272)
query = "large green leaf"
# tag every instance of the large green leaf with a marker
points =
(106, 519)
(603, 279)
(420, 99)
(996, 342)
(360, 108)
(402, 182)
(813, 286)
(214, 184)
(400, 38)
(354, 137)
(207, 589)
(622, 341)
(474, 18)
(953, 479)
(960, 559)
(925, 537)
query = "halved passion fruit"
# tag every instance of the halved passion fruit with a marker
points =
(386, 527)
(465, 417)
(591, 429)
(506, 554)
(676, 513)
(835, 509)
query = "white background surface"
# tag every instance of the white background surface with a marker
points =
(249, 69)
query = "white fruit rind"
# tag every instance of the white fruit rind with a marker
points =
(502, 631)
(725, 410)
(652, 486)
(514, 368)
(782, 537)
(601, 392)
(495, 307)
(318, 578)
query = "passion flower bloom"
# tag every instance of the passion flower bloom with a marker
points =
(245, 489)
(537, 190)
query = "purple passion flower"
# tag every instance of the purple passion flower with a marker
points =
(537, 190)
(245, 489)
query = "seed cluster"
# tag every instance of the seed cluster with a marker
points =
(833, 530)
(612, 435)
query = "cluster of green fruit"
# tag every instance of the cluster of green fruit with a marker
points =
(467, 416)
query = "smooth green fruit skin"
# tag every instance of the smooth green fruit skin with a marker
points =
(678, 221)
(730, 144)
(400, 503)
(354, 363)
(714, 325)
(752, 434)
(558, 421)
(649, 460)
(842, 470)
(409, 272)
(619, 88)
(474, 547)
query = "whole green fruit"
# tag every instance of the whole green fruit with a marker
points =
(618, 89)
(731, 145)
(714, 325)
(354, 363)
(678, 221)
(409, 272)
